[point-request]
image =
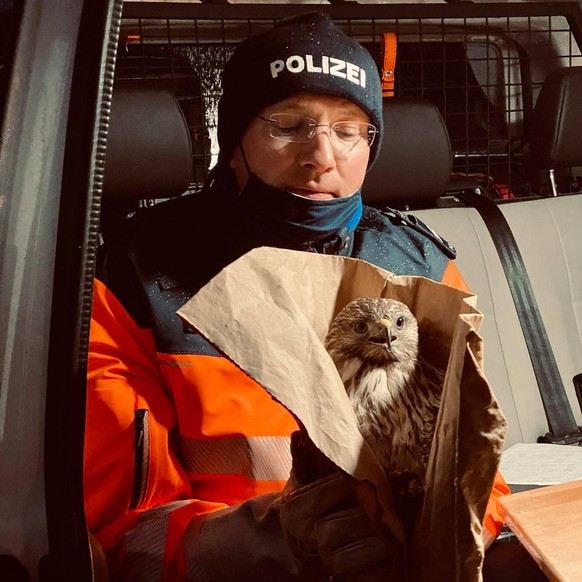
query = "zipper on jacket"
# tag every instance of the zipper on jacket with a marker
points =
(142, 458)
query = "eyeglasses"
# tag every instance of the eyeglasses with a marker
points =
(298, 128)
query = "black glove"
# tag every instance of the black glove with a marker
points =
(328, 529)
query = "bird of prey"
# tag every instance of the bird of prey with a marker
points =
(374, 343)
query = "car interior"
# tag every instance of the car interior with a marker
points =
(503, 192)
(482, 144)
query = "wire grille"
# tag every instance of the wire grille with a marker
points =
(482, 71)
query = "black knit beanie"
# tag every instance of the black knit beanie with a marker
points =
(304, 54)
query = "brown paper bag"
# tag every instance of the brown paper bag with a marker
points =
(269, 312)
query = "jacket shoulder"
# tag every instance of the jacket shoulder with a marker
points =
(151, 254)
(155, 224)
(401, 244)
(399, 221)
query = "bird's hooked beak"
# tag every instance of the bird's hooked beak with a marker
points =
(386, 323)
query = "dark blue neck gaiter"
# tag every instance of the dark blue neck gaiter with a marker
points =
(318, 225)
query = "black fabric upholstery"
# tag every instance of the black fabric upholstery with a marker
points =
(149, 152)
(414, 164)
(557, 121)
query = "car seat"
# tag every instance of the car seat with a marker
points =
(149, 151)
(413, 168)
(547, 234)
(557, 124)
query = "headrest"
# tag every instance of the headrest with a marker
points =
(413, 167)
(149, 152)
(557, 121)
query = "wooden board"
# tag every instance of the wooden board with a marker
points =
(548, 522)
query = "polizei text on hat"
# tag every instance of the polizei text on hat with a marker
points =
(324, 64)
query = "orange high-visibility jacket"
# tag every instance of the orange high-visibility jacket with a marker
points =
(176, 434)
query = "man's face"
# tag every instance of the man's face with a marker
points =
(315, 169)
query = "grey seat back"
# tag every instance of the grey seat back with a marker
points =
(557, 123)
(547, 232)
(414, 163)
(149, 152)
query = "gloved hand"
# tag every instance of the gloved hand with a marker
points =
(332, 522)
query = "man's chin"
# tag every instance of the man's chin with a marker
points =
(314, 195)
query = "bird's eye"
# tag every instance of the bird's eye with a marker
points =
(400, 322)
(360, 326)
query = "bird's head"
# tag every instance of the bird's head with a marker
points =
(374, 329)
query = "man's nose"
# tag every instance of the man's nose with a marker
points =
(319, 152)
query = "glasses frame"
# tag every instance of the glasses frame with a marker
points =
(313, 125)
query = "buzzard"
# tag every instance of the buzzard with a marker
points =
(374, 343)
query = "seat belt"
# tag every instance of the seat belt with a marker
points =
(561, 421)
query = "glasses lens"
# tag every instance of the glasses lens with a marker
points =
(291, 127)
(350, 132)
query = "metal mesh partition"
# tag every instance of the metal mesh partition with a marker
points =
(481, 64)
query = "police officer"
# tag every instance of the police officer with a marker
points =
(187, 458)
